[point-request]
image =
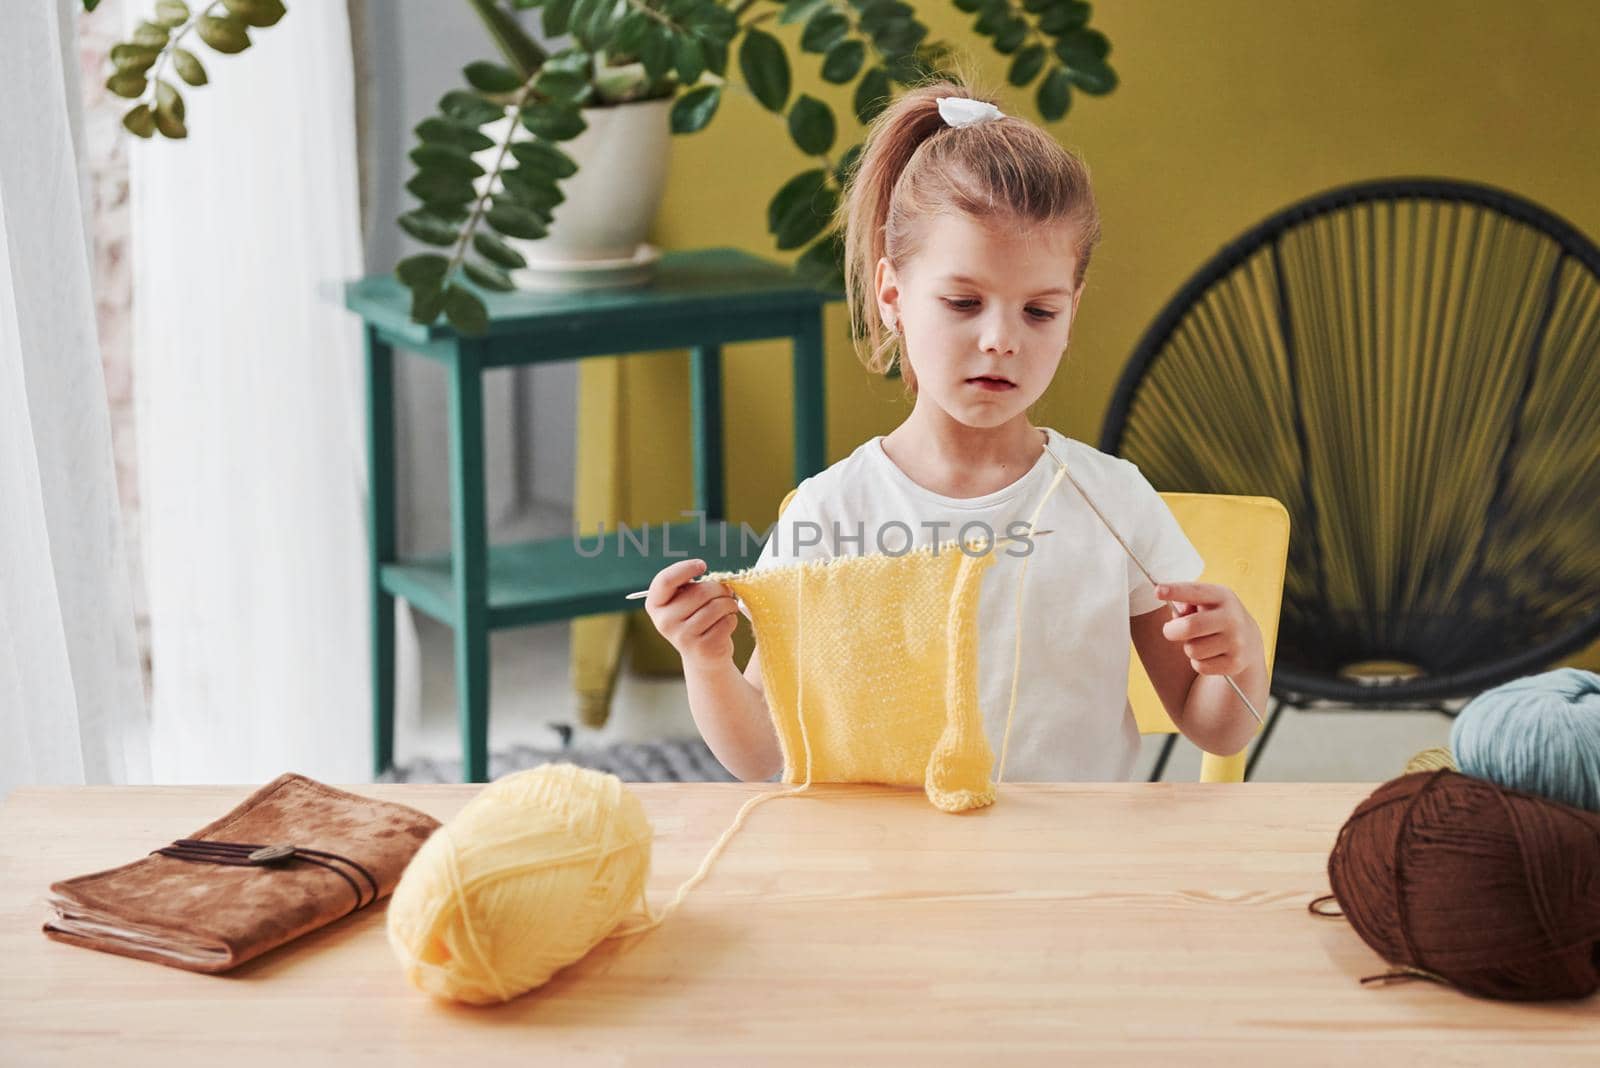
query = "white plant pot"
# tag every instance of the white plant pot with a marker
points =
(598, 234)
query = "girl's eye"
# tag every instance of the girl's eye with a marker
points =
(1040, 314)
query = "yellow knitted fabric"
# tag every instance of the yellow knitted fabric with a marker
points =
(870, 666)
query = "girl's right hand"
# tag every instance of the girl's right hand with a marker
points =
(698, 618)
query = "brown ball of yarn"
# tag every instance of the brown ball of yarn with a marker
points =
(1492, 890)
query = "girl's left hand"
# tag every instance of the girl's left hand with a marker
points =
(1212, 624)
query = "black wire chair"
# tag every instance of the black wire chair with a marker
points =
(1412, 367)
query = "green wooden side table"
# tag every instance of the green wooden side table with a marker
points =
(699, 300)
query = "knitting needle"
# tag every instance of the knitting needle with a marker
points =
(1140, 565)
(638, 594)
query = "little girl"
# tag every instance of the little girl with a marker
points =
(967, 237)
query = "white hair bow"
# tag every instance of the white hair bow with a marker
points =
(964, 111)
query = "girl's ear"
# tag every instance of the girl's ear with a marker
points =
(887, 287)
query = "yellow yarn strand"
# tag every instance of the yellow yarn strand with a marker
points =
(1022, 574)
(653, 920)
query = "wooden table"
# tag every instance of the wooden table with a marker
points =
(1130, 923)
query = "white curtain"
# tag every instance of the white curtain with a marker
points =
(71, 703)
(250, 416)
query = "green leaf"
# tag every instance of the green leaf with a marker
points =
(168, 101)
(141, 121)
(994, 16)
(909, 68)
(765, 67)
(688, 58)
(171, 13)
(428, 228)
(969, 6)
(801, 186)
(488, 276)
(716, 53)
(872, 95)
(170, 125)
(581, 21)
(127, 84)
(1083, 48)
(529, 189)
(1084, 52)
(800, 10)
(188, 66)
(879, 13)
(489, 77)
(843, 61)
(712, 22)
(426, 303)
(425, 270)
(811, 125)
(224, 33)
(1027, 65)
(823, 262)
(826, 29)
(469, 108)
(655, 51)
(515, 221)
(1095, 80)
(90, 5)
(432, 187)
(1064, 16)
(465, 311)
(1010, 37)
(901, 35)
(556, 15)
(546, 159)
(1055, 94)
(446, 159)
(553, 121)
(847, 162)
(573, 60)
(492, 248)
(443, 131)
(630, 35)
(593, 21)
(799, 229)
(134, 58)
(256, 12)
(150, 34)
(563, 85)
(694, 109)
(801, 209)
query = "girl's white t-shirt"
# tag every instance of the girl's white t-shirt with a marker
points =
(1072, 720)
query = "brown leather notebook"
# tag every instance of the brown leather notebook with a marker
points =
(231, 891)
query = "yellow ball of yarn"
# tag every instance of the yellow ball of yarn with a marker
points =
(535, 871)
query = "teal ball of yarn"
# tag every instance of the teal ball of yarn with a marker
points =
(1539, 734)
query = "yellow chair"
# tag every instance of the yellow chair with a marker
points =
(1245, 544)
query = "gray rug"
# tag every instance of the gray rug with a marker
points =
(676, 760)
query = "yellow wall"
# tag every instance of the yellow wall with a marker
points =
(1226, 111)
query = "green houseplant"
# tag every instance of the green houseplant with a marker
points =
(624, 51)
